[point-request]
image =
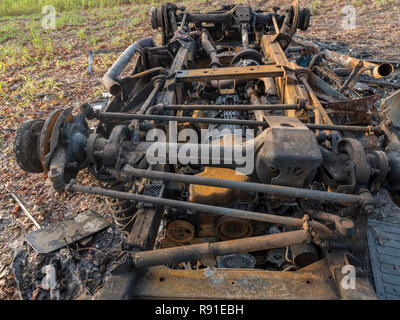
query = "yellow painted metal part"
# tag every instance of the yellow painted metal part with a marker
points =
(312, 282)
(218, 196)
(288, 86)
(321, 280)
(289, 90)
(231, 73)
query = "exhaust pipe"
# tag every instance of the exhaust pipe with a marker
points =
(378, 71)
(109, 81)
(143, 259)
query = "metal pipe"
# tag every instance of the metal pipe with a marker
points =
(109, 81)
(323, 231)
(241, 107)
(158, 85)
(342, 72)
(353, 75)
(340, 127)
(255, 100)
(245, 36)
(343, 225)
(304, 254)
(206, 41)
(211, 52)
(250, 123)
(276, 27)
(148, 72)
(246, 186)
(315, 102)
(377, 70)
(176, 255)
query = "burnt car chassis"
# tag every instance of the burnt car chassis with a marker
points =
(283, 231)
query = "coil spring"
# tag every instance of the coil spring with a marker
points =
(122, 211)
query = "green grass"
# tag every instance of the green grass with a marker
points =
(26, 7)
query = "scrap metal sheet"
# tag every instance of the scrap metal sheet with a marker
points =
(53, 237)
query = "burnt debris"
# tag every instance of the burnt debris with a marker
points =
(232, 144)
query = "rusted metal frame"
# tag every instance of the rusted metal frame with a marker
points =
(275, 23)
(147, 223)
(312, 282)
(320, 280)
(173, 92)
(320, 86)
(144, 231)
(288, 89)
(363, 290)
(235, 73)
(120, 284)
(315, 102)
(250, 123)
(284, 25)
(291, 93)
(174, 255)
(273, 51)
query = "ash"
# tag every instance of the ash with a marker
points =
(79, 270)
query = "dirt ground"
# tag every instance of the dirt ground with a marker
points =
(43, 70)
